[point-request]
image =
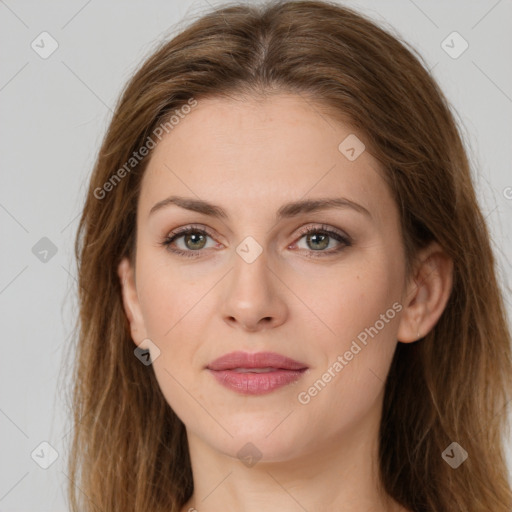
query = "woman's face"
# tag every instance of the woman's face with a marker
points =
(256, 282)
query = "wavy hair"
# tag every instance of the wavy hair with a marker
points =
(129, 450)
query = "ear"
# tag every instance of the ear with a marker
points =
(131, 304)
(426, 294)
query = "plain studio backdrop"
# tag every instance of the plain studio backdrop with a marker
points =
(63, 64)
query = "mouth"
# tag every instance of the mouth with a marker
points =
(254, 370)
(256, 374)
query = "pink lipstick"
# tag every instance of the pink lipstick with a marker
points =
(257, 373)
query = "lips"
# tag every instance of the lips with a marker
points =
(258, 360)
(255, 374)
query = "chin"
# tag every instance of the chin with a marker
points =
(267, 441)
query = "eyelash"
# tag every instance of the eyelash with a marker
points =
(323, 229)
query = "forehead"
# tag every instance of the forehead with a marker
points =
(261, 153)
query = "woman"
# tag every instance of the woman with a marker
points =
(288, 298)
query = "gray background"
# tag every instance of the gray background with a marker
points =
(54, 113)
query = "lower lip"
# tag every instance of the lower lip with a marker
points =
(251, 383)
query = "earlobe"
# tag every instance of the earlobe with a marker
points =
(427, 295)
(131, 301)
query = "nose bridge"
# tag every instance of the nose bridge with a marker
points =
(250, 270)
(252, 295)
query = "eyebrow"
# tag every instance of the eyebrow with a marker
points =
(288, 210)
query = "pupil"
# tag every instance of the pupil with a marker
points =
(325, 237)
(192, 236)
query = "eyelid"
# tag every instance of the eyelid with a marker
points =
(341, 237)
(300, 231)
(184, 230)
(323, 228)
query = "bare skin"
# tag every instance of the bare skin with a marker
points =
(300, 297)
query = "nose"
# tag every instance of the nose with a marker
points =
(254, 295)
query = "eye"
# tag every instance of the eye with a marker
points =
(194, 239)
(319, 238)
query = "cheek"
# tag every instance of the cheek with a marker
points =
(175, 319)
(158, 306)
(359, 321)
(175, 323)
(166, 297)
(352, 300)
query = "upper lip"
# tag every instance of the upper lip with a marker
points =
(255, 360)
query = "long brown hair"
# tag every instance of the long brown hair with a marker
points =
(129, 449)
